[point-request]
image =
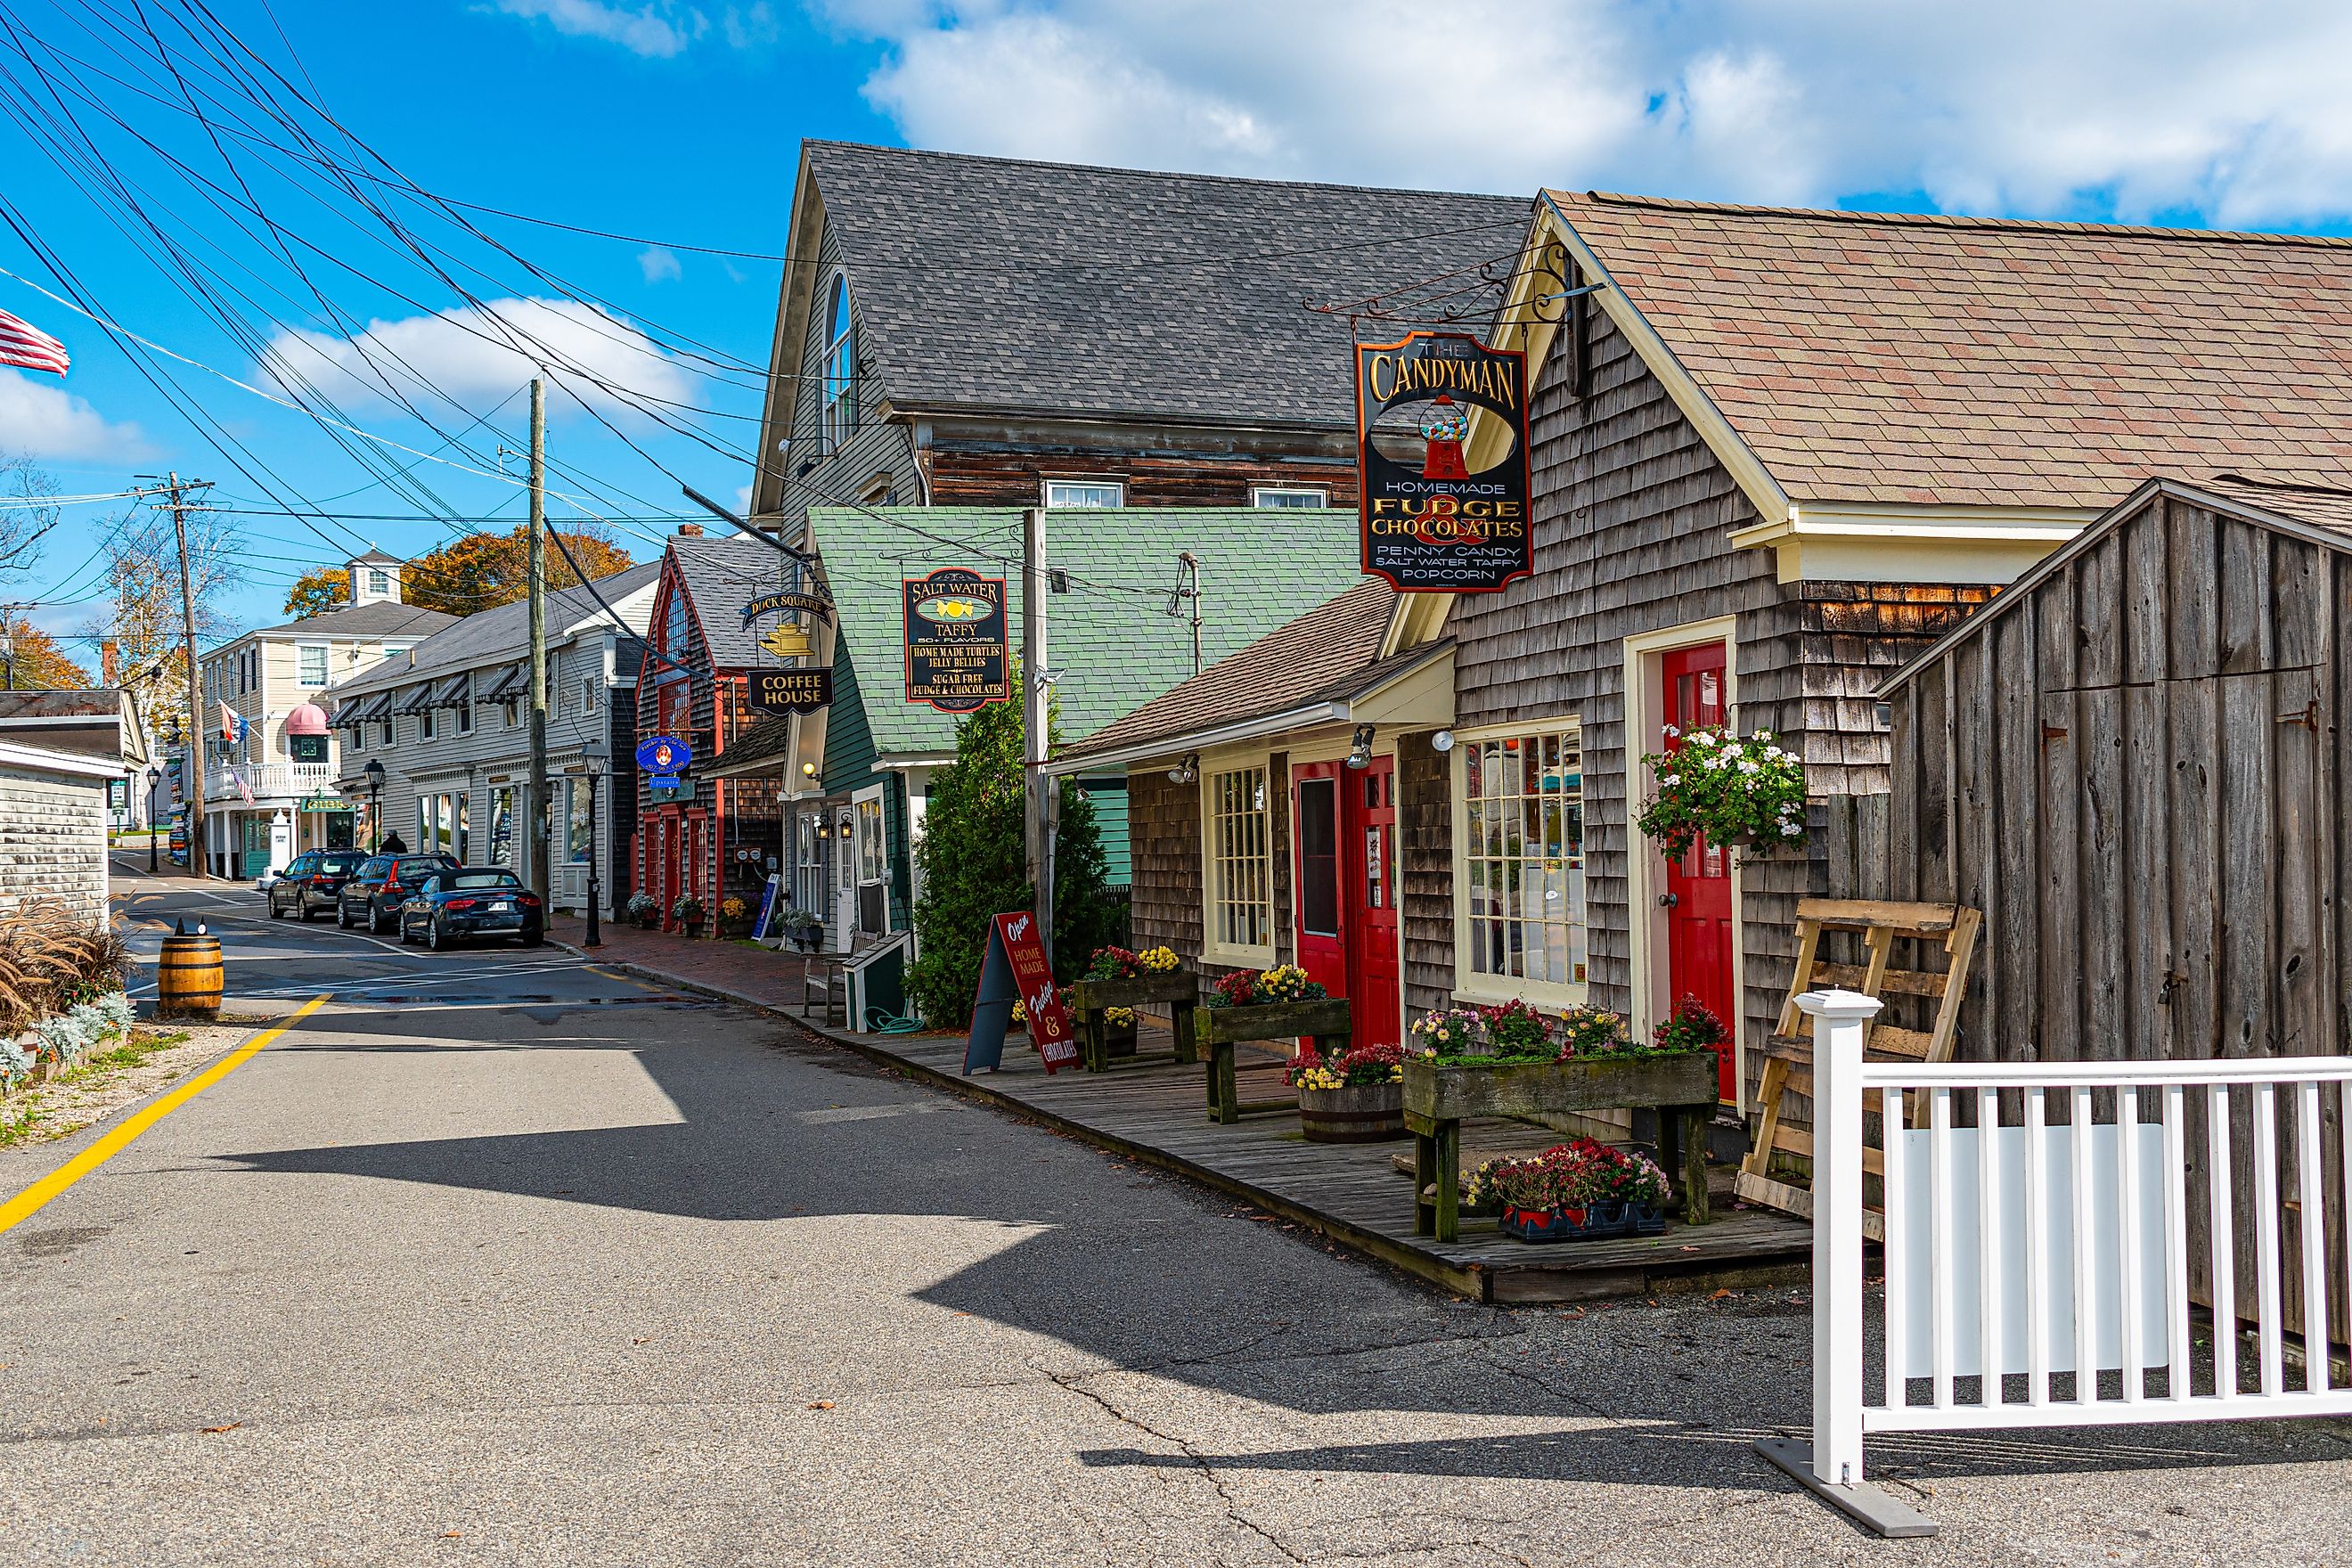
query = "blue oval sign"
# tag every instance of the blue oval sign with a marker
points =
(663, 754)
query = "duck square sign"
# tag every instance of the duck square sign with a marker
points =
(957, 655)
(1445, 500)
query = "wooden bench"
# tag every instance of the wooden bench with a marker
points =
(1219, 1029)
(1951, 928)
(1437, 1100)
(1179, 991)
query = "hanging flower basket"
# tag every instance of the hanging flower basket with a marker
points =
(1715, 785)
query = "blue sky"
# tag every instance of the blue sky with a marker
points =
(679, 119)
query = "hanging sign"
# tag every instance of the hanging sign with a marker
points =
(815, 605)
(1014, 968)
(307, 748)
(789, 691)
(315, 803)
(1432, 523)
(957, 657)
(787, 641)
(663, 758)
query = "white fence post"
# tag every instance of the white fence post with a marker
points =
(1841, 1022)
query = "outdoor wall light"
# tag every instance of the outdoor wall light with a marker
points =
(808, 769)
(1360, 754)
(1186, 771)
(1442, 743)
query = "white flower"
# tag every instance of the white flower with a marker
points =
(1763, 735)
(1732, 750)
(1672, 733)
(1789, 830)
(1671, 779)
(1747, 767)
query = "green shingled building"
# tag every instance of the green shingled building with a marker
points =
(854, 777)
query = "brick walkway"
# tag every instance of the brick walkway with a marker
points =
(757, 975)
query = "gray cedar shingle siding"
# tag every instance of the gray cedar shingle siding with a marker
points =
(1118, 292)
(52, 840)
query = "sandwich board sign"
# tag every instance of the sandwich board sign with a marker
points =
(1014, 968)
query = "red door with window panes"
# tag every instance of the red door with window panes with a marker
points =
(1343, 827)
(1319, 896)
(1698, 885)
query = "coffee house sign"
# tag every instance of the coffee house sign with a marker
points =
(1444, 506)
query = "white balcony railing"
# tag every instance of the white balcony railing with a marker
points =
(269, 781)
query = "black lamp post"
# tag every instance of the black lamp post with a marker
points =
(592, 756)
(154, 778)
(374, 770)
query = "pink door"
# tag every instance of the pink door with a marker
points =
(1370, 839)
(1698, 885)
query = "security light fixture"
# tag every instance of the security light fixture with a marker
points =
(1442, 743)
(1186, 771)
(1360, 756)
(808, 769)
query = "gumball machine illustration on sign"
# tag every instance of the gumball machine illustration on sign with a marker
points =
(1445, 425)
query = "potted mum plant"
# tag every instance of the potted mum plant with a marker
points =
(644, 910)
(1352, 1097)
(1715, 786)
(805, 928)
(1119, 980)
(1279, 1004)
(734, 917)
(1578, 1191)
(688, 913)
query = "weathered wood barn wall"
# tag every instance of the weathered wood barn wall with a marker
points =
(2133, 762)
(1634, 513)
(1164, 835)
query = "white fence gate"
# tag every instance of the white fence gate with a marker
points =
(2037, 1226)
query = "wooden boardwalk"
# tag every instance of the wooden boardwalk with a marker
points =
(1354, 1194)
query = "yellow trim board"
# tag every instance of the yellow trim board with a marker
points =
(120, 1136)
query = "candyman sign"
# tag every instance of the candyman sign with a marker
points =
(1444, 496)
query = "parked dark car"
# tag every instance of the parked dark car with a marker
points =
(374, 893)
(473, 901)
(312, 883)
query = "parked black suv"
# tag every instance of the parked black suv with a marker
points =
(373, 895)
(310, 885)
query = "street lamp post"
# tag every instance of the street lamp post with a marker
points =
(374, 770)
(155, 780)
(591, 754)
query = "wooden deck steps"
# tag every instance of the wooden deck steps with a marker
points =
(1351, 1193)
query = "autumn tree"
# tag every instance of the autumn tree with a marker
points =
(483, 570)
(317, 592)
(36, 663)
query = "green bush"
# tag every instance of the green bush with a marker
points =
(974, 868)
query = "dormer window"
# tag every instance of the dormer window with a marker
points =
(840, 416)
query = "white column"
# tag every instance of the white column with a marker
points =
(1841, 1021)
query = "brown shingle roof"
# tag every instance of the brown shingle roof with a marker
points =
(2329, 508)
(1923, 359)
(1330, 652)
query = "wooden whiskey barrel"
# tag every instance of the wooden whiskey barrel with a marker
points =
(1366, 1114)
(188, 976)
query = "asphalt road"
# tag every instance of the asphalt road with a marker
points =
(499, 1257)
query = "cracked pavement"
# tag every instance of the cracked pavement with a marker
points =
(606, 1280)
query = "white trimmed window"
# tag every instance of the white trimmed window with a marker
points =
(1312, 498)
(377, 582)
(1519, 859)
(873, 864)
(1240, 871)
(1092, 494)
(839, 415)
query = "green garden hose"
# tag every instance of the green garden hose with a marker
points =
(883, 1023)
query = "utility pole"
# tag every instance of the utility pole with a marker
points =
(1036, 695)
(535, 834)
(198, 834)
(1188, 591)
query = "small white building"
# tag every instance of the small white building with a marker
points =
(53, 818)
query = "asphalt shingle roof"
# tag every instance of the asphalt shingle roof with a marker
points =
(1941, 360)
(379, 620)
(1325, 655)
(481, 638)
(1069, 289)
(721, 574)
(1110, 636)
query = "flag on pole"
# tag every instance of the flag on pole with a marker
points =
(242, 788)
(233, 725)
(23, 343)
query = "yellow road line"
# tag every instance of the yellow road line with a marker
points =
(625, 979)
(33, 1199)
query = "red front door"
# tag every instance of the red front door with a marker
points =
(1698, 885)
(1321, 921)
(1372, 901)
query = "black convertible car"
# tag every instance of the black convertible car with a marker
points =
(471, 901)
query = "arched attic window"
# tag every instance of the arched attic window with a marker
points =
(840, 419)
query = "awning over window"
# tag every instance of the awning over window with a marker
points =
(374, 708)
(415, 699)
(453, 692)
(347, 712)
(507, 680)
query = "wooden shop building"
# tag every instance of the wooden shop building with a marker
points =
(1776, 454)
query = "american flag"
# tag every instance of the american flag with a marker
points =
(23, 343)
(243, 788)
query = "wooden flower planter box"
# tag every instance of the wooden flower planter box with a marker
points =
(1681, 1087)
(1099, 1044)
(1219, 1029)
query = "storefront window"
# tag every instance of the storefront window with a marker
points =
(870, 857)
(580, 830)
(1520, 860)
(502, 851)
(1241, 876)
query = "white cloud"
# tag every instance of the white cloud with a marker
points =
(2130, 108)
(655, 32)
(659, 264)
(476, 359)
(742, 501)
(41, 419)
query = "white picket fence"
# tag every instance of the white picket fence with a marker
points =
(2037, 1223)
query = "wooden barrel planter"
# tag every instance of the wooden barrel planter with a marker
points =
(1360, 1113)
(188, 977)
(1219, 1029)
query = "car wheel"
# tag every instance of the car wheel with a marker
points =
(433, 937)
(375, 923)
(407, 939)
(342, 915)
(275, 913)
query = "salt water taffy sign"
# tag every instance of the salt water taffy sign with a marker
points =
(957, 659)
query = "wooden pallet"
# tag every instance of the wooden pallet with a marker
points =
(1788, 1065)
